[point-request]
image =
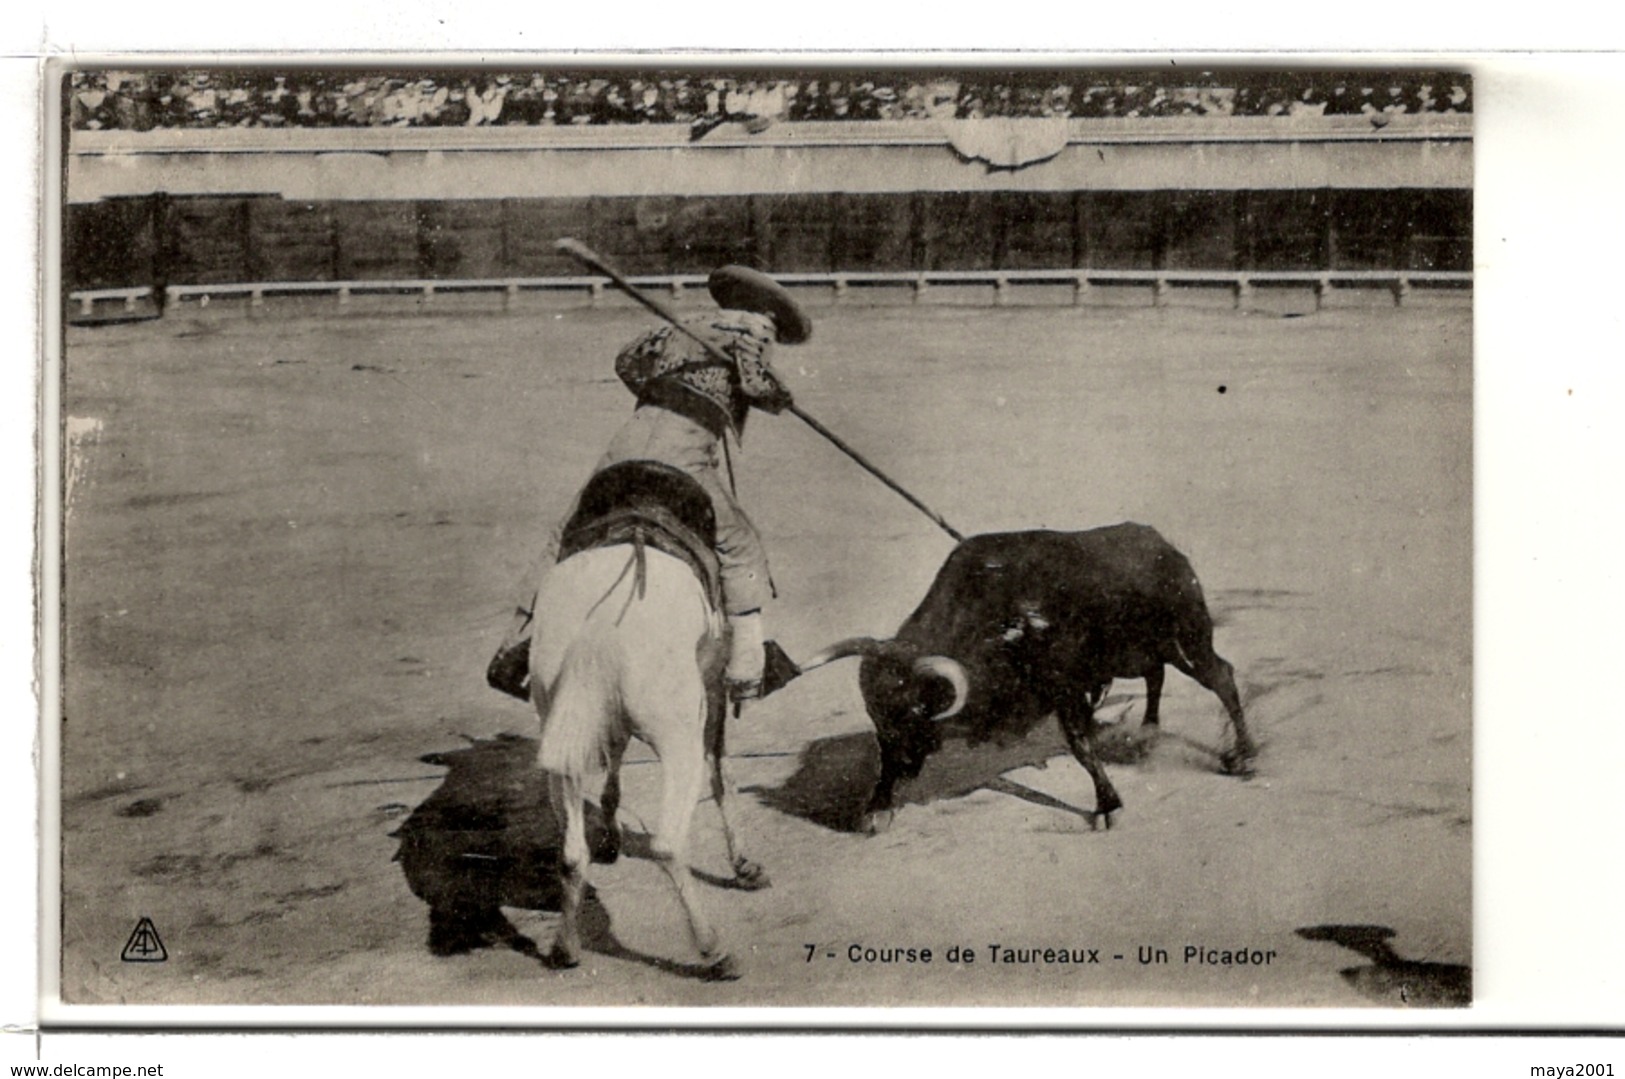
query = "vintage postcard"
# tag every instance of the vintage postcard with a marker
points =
(1003, 534)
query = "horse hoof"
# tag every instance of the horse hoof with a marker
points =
(607, 851)
(750, 875)
(1237, 763)
(562, 958)
(721, 969)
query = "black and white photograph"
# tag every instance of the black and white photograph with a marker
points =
(721, 535)
(728, 537)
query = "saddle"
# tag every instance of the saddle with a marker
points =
(637, 503)
(653, 504)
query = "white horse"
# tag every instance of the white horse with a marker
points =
(628, 644)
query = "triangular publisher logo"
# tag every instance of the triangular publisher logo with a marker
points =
(144, 945)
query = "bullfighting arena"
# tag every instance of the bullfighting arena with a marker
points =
(292, 539)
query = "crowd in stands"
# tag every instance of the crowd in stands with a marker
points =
(142, 100)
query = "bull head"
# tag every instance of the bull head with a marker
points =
(900, 680)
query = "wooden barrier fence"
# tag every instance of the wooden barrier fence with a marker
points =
(1160, 283)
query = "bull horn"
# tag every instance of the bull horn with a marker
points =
(851, 646)
(950, 671)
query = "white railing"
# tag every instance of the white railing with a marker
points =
(1161, 282)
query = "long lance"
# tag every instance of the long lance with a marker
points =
(588, 257)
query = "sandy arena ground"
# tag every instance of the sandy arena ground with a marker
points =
(292, 541)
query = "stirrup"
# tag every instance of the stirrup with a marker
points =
(740, 691)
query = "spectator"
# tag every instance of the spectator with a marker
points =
(484, 101)
(143, 100)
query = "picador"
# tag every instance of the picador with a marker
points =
(690, 414)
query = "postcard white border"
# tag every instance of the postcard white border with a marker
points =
(1547, 886)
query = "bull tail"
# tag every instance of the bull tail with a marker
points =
(1193, 640)
(844, 649)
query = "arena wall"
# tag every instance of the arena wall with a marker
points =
(1262, 193)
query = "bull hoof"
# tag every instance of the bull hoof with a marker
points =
(877, 822)
(721, 969)
(1108, 820)
(750, 875)
(1237, 762)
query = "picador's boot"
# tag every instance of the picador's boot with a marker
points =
(747, 662)
(509, 669)
(756, 667)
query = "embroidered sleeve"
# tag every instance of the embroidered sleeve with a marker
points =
(748, 338)
(743, 336)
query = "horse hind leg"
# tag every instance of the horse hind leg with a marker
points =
(565, 794)
(670, 716)
(606, 849)
(683, 778)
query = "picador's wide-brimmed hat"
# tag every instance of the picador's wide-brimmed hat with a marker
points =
(740, 288)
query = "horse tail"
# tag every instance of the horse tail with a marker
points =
(579, 719)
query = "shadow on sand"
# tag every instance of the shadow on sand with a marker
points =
(486, 838)
(121, 317)
(1391, 979)
(835, 776)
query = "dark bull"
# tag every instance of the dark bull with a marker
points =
(1019, 625)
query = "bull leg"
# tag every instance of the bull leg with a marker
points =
(565, 794)
(880, 812)
(882, 808)
(1078, 724)
(1221, 679)
(1214, 673)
